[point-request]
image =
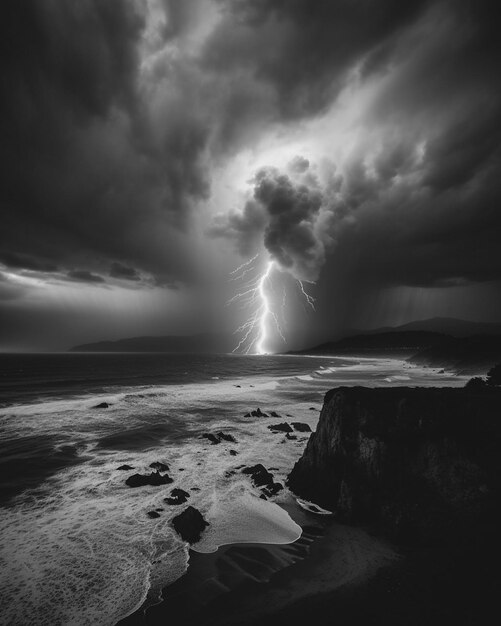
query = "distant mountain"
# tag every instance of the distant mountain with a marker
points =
(380, 344)
(444, 325)
(473, 354)
(201, 343)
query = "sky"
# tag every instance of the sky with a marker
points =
(149, 148)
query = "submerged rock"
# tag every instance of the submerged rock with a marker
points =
(212, 438)
(301, 427)
(159, 466)
(125, 467)
(190, 524)
(283, 427)
(219, 437)
(226, 437)
(177, 496)
(155, 478)
(233, 452)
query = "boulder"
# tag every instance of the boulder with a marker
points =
(259, 474)
(212, 438)
(177, 496)
(159, 466)
(226, 437)
(190, 524)
(301, 427)
(282, 428)
(155, 478)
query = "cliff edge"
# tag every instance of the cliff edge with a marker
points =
(417, 463)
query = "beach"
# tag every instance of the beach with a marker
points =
(81, 546)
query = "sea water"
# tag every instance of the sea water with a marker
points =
(77, 544)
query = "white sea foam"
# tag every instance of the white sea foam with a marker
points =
(241, 517)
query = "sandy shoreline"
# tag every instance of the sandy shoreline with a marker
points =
(245, 583)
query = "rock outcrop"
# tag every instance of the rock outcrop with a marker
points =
(283, 428)
(414, 462)
(190, 524)
(155, 478)
(263, 479)
(177, 496)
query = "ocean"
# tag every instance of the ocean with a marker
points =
(78, 545)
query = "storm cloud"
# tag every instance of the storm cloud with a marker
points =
(357, 143)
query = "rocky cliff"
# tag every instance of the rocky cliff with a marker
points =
(416, 462)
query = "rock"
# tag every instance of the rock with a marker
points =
(283, 427)
(258, 413)
(153, 514)
(218, 437)
(155, 479)
(102, 405)
(418, 463)
(272, 489)
(212, 438)
(238, 385)
(301, 427)
(312, 408)
(190, 524)
(233, 452)
(247, 415)
(274, 414)
(159, 466)
(226, 437)
(259, 474)
(289, 436)
(125, 467)
(177, 496)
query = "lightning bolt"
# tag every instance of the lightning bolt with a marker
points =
(254, 297)
(309, 299)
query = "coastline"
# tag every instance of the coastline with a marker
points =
(248, 583)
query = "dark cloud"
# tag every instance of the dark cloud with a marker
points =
(289, 215)
(87, 169)
(117, 116)
(118, 270)
(85, 276)
(25, 261)
(304, 49)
